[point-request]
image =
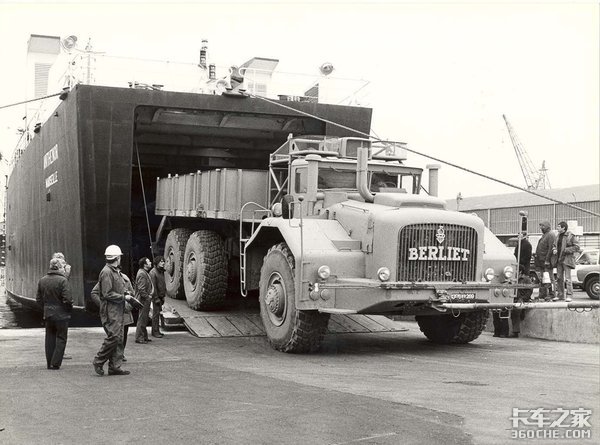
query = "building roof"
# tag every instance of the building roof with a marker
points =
(583, 193)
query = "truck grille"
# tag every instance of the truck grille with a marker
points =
(422, 257)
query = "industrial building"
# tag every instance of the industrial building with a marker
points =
(500, 213)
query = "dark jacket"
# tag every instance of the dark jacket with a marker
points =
(567, 249)
(543, 251)
(144, 289)
(112, 299)
(525, 259)
(54, 294)
(160, 288)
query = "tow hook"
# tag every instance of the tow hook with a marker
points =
(442, 297)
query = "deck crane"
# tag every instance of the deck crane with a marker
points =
(535, 179)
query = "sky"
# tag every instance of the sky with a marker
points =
(441, 75)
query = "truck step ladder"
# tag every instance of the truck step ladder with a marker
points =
(258, 213)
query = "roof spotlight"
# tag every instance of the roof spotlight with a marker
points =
(326, 69)
(68, 43)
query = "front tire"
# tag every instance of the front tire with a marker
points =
(593, 288)
(288, 329)
(174, 253)
(448, 329)
(205, 271)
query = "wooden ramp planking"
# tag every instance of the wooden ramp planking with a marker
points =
(248, 323)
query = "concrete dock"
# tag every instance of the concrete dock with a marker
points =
(375, 388)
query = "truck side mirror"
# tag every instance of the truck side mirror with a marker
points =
(287, 207)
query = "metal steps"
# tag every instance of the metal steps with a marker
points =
(247, 323)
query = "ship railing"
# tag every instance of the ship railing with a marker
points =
(105, 70)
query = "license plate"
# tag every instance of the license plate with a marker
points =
(463, 296)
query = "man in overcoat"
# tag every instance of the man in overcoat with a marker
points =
(54, 295)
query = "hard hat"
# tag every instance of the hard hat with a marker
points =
(112, 252)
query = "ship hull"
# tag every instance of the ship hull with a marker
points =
(87, 179)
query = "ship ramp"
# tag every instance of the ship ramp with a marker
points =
(246, 322)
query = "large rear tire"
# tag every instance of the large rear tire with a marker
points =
(448, 329)
(288, 329)
(205, 271)
(174, 253)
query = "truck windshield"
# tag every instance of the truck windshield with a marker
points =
(332, 178)
(403, 183)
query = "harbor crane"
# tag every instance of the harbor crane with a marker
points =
(535, 179)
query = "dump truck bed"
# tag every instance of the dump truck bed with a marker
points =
(218, 194)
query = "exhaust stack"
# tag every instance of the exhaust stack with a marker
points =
(362, 185)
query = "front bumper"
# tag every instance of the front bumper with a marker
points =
(359, 295)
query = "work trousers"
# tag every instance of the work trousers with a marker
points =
(56, 341)
(545, 288)
(111, 350)
(141, 332)
(135, 314)
(156, 309)
(564, 278)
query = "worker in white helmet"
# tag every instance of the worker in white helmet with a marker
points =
(113, 294)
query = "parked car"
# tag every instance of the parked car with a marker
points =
(586, 272)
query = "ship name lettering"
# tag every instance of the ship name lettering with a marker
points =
(51, 156)
(52, 179)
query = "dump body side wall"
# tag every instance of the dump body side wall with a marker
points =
(212, 194)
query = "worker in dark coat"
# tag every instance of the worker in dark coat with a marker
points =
(54, 295)
(543, 260)
(112, 305)
(158, 299)
(144, 289)
(524, 257)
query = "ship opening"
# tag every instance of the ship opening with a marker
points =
(169, 141)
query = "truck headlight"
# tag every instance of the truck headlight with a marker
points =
(383, 274)
(324, 272)
(489, 274)
(508, 272)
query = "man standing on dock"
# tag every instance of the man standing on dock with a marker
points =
(564, 249)
(54, 294)
(543, 266)
(112, 305)
(144, 291)
(158, 299)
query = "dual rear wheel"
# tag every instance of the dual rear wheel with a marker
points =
(196, 268)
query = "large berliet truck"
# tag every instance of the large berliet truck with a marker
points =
(333, 225)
